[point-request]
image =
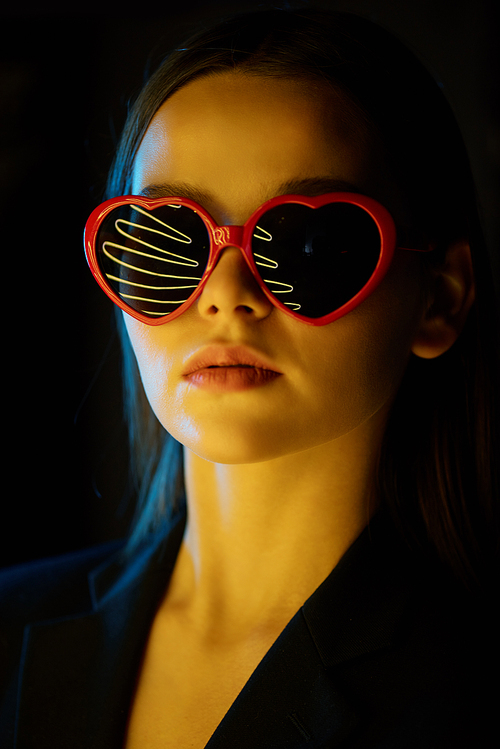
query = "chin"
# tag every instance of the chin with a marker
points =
(234, 446)
(232, 454)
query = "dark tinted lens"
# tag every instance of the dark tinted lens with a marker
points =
(316, 260)
(153, 260)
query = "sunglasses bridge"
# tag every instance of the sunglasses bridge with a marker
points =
(227, 236)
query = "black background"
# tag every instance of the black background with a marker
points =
(65, 80)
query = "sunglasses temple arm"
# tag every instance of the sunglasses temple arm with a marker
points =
(413, 241)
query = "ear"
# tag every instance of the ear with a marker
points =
(452, 295)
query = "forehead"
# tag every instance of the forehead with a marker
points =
(241, 136)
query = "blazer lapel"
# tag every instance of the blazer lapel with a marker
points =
(289, 701)
(90, 661)
(359, 608)
(292, 699)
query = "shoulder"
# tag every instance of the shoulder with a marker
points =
(71, 631)
(44, 589)
(51, 587)
(76, 583)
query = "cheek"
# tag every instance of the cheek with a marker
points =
(159, 351)
(154, 358)
(356, 376)
(366, 352)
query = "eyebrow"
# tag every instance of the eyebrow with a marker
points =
(313, 186)
(175, 190)
(310, 187)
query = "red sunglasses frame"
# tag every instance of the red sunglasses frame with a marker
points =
(222, 237)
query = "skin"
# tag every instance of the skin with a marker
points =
(279, 478)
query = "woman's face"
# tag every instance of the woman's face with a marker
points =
(233, 141)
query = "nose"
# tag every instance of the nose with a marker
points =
(231, 289)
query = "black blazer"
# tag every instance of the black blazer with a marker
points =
(383, 654)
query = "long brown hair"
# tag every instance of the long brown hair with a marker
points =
(437, 470)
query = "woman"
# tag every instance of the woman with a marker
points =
(304, 571)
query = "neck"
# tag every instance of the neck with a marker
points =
(261, 537)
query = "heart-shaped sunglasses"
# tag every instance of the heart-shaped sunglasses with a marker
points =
(314, 258)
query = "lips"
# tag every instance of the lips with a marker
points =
(226, 356)
(224, 368)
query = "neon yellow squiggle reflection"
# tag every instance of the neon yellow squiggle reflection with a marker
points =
(172, 258)
(181, 237)
(269, 263)
(268, 237)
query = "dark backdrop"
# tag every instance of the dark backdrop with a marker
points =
(65, 79)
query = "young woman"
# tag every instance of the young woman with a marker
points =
(308, 323)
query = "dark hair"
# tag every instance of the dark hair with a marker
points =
(437, 473)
